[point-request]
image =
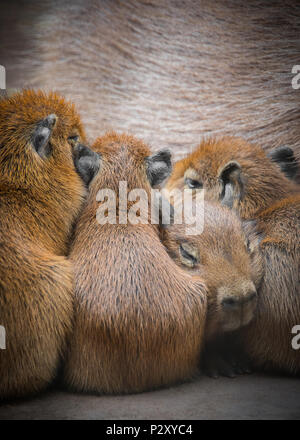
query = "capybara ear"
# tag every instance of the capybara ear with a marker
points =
(231, 178)
(42, 134)
(284, 157)
(159, 167)
(189, 254)
(87, 162)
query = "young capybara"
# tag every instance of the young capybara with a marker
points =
(139, 319)
(40, 196)
(236, 173)
(227, 257)
(268, 339)
(241, 176)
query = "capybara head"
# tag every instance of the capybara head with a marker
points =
(226, 256)
(38, 133)
(125, 159)
(237, 174)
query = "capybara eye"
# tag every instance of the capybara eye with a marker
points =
(193, 184)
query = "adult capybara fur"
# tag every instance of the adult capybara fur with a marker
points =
(139, 319)
(40, 197)
(242, 177)
(171, 72)
(226, 255)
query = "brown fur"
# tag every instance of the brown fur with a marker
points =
(139, 319)
(171, 72)
(268, 339)
(39, 201)
(222, 259)
(263, 183)
(270, 198)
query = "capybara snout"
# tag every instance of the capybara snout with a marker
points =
(238, 307)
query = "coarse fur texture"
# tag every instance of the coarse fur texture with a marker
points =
(268, 339)
(40, 196)
(226, 255)
(171, 72)
(221, 255)
(257, 190)
(139, 319)
(256, 180)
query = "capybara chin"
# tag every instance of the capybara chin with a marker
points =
(139, 319)
(227, 257)
(40, 196)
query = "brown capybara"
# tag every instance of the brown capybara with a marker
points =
(237, 174)
(268, 339)
(241, 176)
(171, 72)
(227, 257)
(40, 197)
(139, 319)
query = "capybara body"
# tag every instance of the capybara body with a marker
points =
(268, 339)
(139, 319)
(241, 176)
(171, 72)
(40, 197)
(233, 172)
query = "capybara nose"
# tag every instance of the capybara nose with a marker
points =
(237, 301)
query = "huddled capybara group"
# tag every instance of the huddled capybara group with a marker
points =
(240, 176)
(116, 306)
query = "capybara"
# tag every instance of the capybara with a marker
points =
(226, 255)
(268, 339)
(241, 176)
(139, 319)
(41, 195)
(235, 173)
